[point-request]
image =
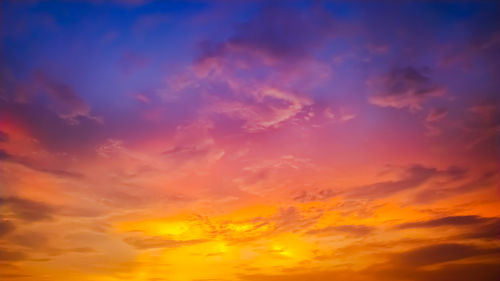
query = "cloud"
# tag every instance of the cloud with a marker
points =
(300, 275)
(429, 195)
(6, 227)
(436, 114)
(484, 124)
(341, 115)
(283, 32)
(27, 210)
(488, 231)
(160, 242)
(275, 33)
(192, 141)
(440, 253)
(32, 240)
(449, 272)
(65, 101)
(226, 88)
(474, 227)
(228, 74)
(7, 255)
(315, 195)
(487, 111)
(292, 219)
(445, 221)
(82, 250)
(42, 243)
(38, 242)
(46, 130)
(406, 87)
(32, 164)
(351, 230)
(270, 107)
(413, 177)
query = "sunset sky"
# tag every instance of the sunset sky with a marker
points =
(249, 141)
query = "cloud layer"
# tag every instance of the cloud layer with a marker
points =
(294, 140)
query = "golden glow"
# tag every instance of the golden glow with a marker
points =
(150, 140)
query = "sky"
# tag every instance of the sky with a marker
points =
(151, 140)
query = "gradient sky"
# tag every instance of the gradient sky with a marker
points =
(249, 141)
